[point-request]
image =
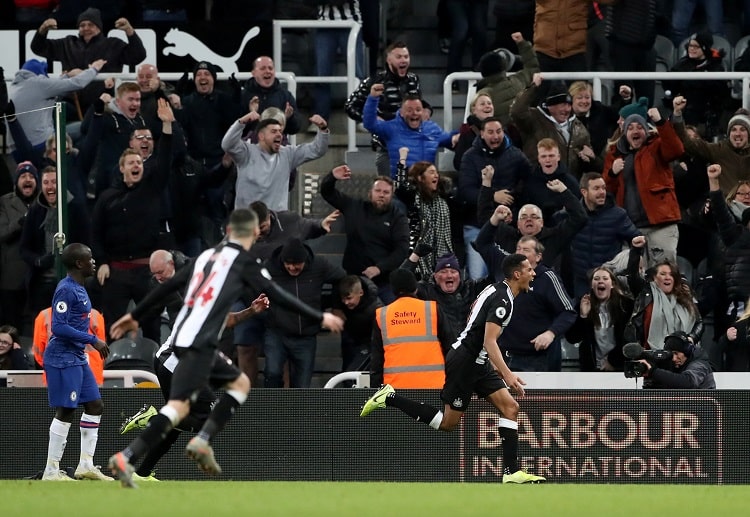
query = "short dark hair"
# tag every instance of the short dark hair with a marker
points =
(263, 124)
(411, 97)
(588, 178)
(512, 263)
(72, 253)
(349, 284)
(488, 120)
(396, 44)
(243, 222)
(260, 209)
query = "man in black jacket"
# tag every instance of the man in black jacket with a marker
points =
(290, 334)
(90, 44)
(126, 229)
(377, 233)
(266, 90)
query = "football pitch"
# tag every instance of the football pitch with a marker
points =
(220, 498)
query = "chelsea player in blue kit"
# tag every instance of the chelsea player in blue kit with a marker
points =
(70, 381)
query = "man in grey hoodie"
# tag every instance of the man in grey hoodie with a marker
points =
(32, 90)
(263, 169)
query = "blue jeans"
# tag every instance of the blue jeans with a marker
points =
(468, 18)
(299, 350)
(682, 15)
(327, 43)
(475, 265)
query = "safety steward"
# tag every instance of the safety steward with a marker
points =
(410, 340)
(43, 331)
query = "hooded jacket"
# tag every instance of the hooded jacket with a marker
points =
(30, 92)
(306, 287)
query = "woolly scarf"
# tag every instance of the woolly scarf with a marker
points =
(667, 316)
(434, 229)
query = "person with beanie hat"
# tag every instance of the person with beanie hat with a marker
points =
(689, 368)
(733, 152)
(13, 269)
(205, 65)
(92, 15)
(707, 99)
(32, 90)
(89, 45)
(639, 108)
(638, 172)
(502, 88)
(290, 335)
(553, 119)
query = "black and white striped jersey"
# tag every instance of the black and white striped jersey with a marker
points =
(494, 305)
(218, 278)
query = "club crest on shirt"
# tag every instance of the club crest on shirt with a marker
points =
(73, 395)
(61, 307)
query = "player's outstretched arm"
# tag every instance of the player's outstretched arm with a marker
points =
(122, 326)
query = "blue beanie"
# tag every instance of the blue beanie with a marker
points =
(36, 66)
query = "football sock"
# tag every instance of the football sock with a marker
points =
(221, 414)
(89, 435)
(155, 454)
(58, 436)
(508, 430)
(152, 435)
(419, 411)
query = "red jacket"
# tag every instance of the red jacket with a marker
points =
(653, 174)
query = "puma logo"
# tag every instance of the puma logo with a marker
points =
(183, 44)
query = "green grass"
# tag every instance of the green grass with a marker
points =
(216, 499)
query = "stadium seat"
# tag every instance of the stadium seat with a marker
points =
(132, 354)
(739, 49)
(686, 270)
(665, 53)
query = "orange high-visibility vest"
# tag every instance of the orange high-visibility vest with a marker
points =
(43, 330)
(413, 357)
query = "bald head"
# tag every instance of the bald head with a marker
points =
(264, 71)
(161, 264)
(147, 77)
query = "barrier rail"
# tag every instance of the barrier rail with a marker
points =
(351, 60)
(33, 378)
(597, 78)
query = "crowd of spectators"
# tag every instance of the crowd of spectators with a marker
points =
(634, 212)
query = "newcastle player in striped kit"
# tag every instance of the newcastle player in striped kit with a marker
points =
(469, 369)
(218, 278)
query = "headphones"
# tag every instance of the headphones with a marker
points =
(689, 348)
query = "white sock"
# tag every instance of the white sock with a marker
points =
(89, 436)
(58, 437)
(436, 420)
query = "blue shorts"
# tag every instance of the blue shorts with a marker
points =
(68, 387)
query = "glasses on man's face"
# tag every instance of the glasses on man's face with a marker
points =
(143, 137)
(529, 216)
(6, 343)
(693, 45)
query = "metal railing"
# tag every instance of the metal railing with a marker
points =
(596, 79)
(351, 61)
(33, 378)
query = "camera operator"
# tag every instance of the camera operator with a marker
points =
(689, 369)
